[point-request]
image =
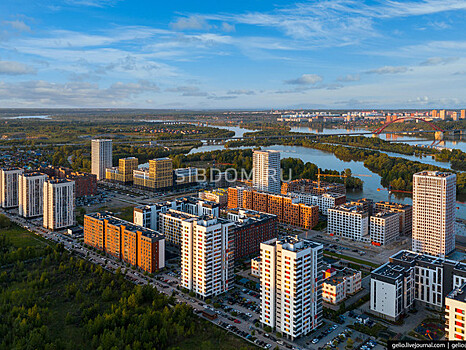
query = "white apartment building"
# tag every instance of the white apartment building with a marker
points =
(384, 228)
(340, 285)
(170, 224)
(455, 314)
(148, 215)
(291, 282)
(101, 153)
(434, 198)
(9, 181)
(324, 201)
(207, 256)
(266, 171)
(256, 267)
(31, 194)
(348, 221)
(59, 204)
(411, 276)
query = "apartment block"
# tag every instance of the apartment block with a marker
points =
(101, 154)
(171, 224)
(340, 285)
(149, 215)
(9, 187)
(124, 172)
(365, 204)
(185, 176)
(249, 230)
(411, 277)
(349, 221)
(218, 195)
(126, 241)
(256, 267)
(384, 228)
(207, 256)
(291, 281)
(455, 314)
(59, 204)
(235, 197)
(434, 200)
(85, 183)
(266, 171)
(405, 211)
(312, 187)
(288, 210)
(31, 194)
(323, 201)
(161, 170)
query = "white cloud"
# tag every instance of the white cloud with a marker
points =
(305, 79)
(18, 25)
(227, 27)
(190, 23)
(434, 61)
(15, 68)
(92, 3)
(241, 92)
(388, 70)
(188, 91)
(349, 78)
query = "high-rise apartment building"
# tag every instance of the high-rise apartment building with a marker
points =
(442, 114)
(59, 205)
(291, 285)
(434, 196)
(455, 314)
(9, 181)
(161, 169)
(101, 152)
(207, 256)
(266, 171)
(31, 194)
(349, 221)
(463, 114)
(124, 172)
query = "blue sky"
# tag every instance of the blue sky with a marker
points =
(233, 54)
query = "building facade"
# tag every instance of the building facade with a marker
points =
(161, 170)
(101, 152)
(85, 183)
(266, 171)
(249, 230)
(405, 211)
(341, 284)
(349, 221)
(434, 200)
(9, 187)
(323, 201)
(384, 228)
(455, 311)
(123, 240)
(124, 172)
(218, 195)
(207, 256)
(31, 194)
(312, 187)
(411, 277)
(59, 204)
(291, 281)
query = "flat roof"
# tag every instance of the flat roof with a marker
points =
(458, 294)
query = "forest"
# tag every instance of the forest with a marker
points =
(52, 300)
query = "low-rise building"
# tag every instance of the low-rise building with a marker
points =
(256, 267)
(219, 196)
(384, 228)
(349, 221)
(340, 285)
(323, 201)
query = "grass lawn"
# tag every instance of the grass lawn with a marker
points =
(124, 213)
(22, 238)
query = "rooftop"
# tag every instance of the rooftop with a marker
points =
(390, 270)
(294, 243)
(458, 294)
(393, 205)
(433, 173)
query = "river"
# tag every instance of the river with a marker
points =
(326, 160)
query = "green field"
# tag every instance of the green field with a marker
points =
(52, 300)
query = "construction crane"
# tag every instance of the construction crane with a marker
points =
(390, 191)
(319, 174)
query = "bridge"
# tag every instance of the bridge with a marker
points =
(378, 131)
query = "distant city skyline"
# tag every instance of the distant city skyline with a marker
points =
(241, 55)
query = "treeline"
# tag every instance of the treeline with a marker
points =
(300, 170)
(61, 302)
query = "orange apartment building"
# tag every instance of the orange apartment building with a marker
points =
(287, 209)
(136, 245)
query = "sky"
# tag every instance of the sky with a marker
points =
(241, 54)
